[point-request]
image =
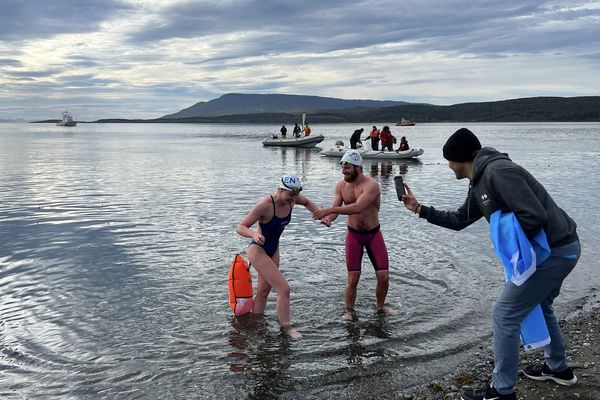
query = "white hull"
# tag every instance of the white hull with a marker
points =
(67, 120)
(304, 141)
(338, 151)
(405, 122)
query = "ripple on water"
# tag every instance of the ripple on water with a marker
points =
(116, 241)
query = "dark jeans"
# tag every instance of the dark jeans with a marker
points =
(516, 302)
(375, 143)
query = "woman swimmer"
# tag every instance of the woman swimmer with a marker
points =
(273, 213)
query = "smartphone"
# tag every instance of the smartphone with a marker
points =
(399, 187)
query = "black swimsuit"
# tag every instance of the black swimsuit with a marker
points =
(272, 230)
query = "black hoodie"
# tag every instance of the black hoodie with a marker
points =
(500, 184)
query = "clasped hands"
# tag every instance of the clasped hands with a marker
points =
(322, 214)
(409, 200)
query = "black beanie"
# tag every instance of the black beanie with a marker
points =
(461, 146)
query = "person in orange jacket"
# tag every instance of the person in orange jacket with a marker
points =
(374, 136)
(387, 139)
(306, 130)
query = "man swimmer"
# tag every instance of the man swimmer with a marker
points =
(273, 213)
(358, 196)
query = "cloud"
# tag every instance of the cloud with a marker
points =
(33, 74)
(29, 19)
(8, 62)
(315, 26)
(155, 57)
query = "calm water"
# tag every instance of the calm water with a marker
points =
(115, 242)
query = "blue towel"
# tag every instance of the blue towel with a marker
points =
(520, 256)
(534, 331)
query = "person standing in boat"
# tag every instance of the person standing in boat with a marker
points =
(355, 138)
(374, 136)
(358, 196)
(283, 131)
(498, 185)
(273, 213)
(307, 130)
(387, 139)
(297, 130)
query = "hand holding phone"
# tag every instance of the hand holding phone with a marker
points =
(399, 182)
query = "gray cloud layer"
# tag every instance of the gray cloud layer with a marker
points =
(316, 26)
(39, 18)
(151, 58)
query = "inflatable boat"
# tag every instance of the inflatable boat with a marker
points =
(303, 141)
(339, 149)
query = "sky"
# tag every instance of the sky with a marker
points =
(146, 59)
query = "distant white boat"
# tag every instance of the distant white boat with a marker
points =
(405, 122)
(67, 120)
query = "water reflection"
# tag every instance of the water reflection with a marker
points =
(355, 349)
(359, 332)
(403, 168)
(387, 168)
(260, 356)
(300, 158)
(384, 169)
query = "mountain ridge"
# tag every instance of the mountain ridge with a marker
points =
(527, 109)
(237, 103)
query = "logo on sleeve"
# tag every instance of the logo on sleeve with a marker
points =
(485, 200)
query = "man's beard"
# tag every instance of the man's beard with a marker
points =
(351, 177)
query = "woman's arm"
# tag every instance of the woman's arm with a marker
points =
(245, 225)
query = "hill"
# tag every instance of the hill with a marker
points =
(533, 109)
(235, 103)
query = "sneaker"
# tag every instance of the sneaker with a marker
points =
(487, 393)
(541, 372)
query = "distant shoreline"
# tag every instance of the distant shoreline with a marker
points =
(160, 121)
(534, 109)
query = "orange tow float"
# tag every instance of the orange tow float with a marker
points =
(240, 286)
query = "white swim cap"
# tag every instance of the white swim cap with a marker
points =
(352, 157)
(291, 183)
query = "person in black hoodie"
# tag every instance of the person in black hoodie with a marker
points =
(355, 138)
(497, 183)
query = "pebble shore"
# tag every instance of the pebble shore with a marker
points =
(582, 335)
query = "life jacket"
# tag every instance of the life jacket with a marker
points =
(386, 137)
